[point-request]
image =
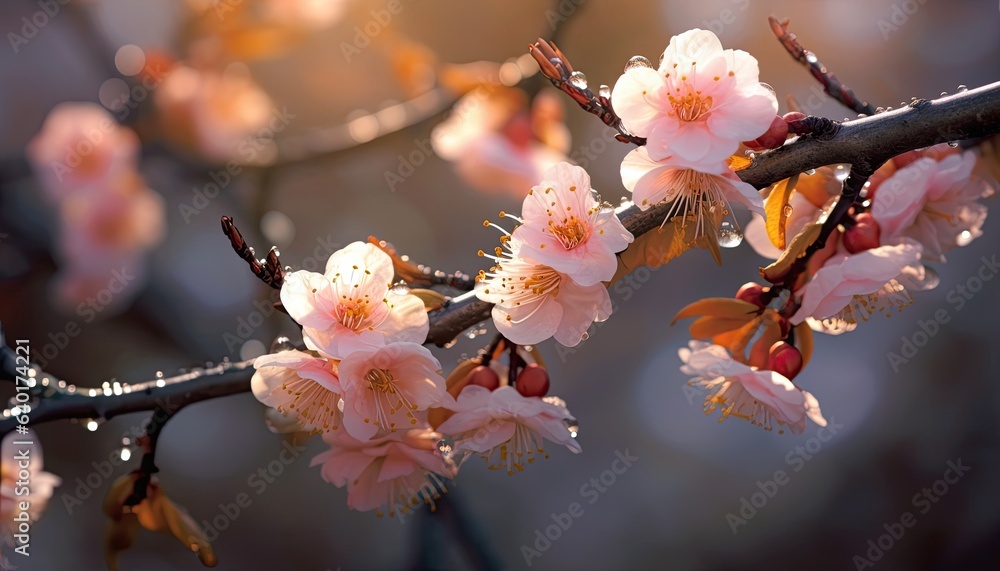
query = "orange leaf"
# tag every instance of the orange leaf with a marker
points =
(777, 210)
(775, 272)
(804, 341)
(709, 327)
(718, 307)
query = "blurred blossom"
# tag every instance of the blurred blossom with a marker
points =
(108, 219)
(80, 148)
(310, 13)
(218, 115)
(498, 143)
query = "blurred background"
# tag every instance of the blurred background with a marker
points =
(318, 123)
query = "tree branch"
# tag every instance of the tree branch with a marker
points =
(864, 143)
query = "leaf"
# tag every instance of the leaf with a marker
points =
(432, 299)
(119, 536)
(657, 247)
(456, 381)
(776, 272)
(774, 208)
(737, 340)
(738, 162)
(709, 327)
(717, 307)
(187, 531)
(804, 341)
(770, 334)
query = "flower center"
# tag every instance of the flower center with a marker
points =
(691, 107)
(388, 399)
(571, 233)
(353, 311)
(380, 380)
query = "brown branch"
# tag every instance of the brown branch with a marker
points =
(833, 87)
(864, 143)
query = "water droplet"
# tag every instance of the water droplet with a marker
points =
(604, 91)
(787, 210)
(572, 425)
(401, 289)
(578, 80)
(91, 424)
(340, 405)
(930, 280)
(811, 58)
(750, 154)
(159, 374)
(810, 172)
(282, 343)
(729, 235)
(953, 144)
(964, 238)
(446, 446)
(962, 88)
(161, 383)
(125, 454)
(624, 201)
(944, 93)
(638, 61)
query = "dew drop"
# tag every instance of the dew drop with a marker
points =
(91, 424)
(604, 91)
(125, 454)
(962, 88)
(282, 343)
(944, 93)
(930, 281)
(578, 80)
(953, 144)
(572, 425)
(750, 154)
(446, 446)
(787, 210)
(964, 238)
(729, 235)
(638, 61)
(585, 336)
(401, 289)
(810, 172)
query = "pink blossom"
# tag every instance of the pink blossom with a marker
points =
(738, 390)
(503, 421)
(691, 190)
(534, 302)
(497, 143)
(351, 306)
(701, 102)
(860, 278)
(81, 149)
(300, 384)
(397, 470)
(217, 114)
(566, 228)
(933, 202)
(385, 388)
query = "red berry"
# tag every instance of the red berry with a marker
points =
(533, 381)
(484, 377)
(864, 235)
(784, 359)
(775, 135)
(752, 292)
(793, 116)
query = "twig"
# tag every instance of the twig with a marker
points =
(833, 87)
(865, 143)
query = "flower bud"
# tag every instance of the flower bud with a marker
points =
(784, 359)
(864, 235)
(484, 377)
(752, 292)
(775, 135)
(533, 381)
(793, 116)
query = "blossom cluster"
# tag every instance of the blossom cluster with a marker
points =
(397, 430)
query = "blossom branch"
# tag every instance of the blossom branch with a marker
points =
(864, 143)
(833, 87)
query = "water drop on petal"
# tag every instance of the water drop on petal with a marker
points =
(729, 235)
(572, 425)
(446, 446)
(638, 61)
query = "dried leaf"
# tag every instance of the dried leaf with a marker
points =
(119, 536)
(775, 272)
(432, 299)
(718, 307)
(657, 247)
(738, 162)
(804, 341)
(775, 207)
(820, 186)
(709, 327)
